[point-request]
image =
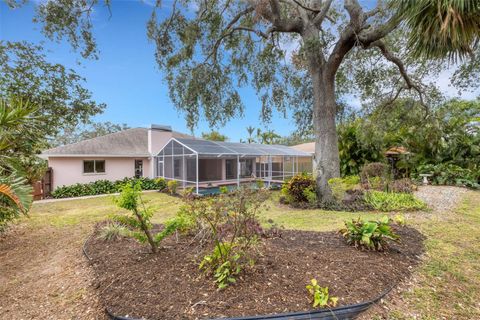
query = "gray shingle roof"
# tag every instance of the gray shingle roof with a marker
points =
(130, 142)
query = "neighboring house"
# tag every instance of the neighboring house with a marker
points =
(308, 147)
(160, 152)
(114, 156)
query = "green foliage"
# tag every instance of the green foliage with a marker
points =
(106, 187)
(18, 141)
(370, 235)
(294, 188)
(340, 186)
(65, 102)
(355, 149)
(388, 201)
(223, 189)
(230, 222)
(113, 231)
(260, 184)
(400, 220)
(311, 196)
(320, 296)
(450, 174)
(214, 136)
(375, 175)
(172, 186)
(161, 183)
(140, 220)
(441, 28)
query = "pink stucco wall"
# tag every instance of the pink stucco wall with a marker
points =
(67, 171)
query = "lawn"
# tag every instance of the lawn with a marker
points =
(446, 285)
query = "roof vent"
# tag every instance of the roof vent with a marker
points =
(161, 127)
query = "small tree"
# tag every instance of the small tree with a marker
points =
(214, 136)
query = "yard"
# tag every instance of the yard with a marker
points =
(44, 275)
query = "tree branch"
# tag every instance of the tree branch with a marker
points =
(317, 21)
(401, 68)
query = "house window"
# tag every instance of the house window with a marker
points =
(93, 166)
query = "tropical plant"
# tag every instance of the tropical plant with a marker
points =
(250, 131)
(389, 201)
(340, 186)
(320, 296)
(113, 231)
(18, 124)
(450, 174)
(370, 235)
(294, 188)
(441, 28)
(214, 136)
(172, 186)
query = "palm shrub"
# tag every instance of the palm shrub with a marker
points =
(18, 140)
(370, 235)
(450, 174)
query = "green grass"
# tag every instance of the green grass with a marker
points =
(445, 286)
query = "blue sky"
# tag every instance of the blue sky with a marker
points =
(126, 76)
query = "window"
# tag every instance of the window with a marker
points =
(176, 169)
(93, 166)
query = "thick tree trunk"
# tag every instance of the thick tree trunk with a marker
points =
(326, 140)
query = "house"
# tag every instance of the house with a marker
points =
(161, 152)
(127, 153)
(308, 147)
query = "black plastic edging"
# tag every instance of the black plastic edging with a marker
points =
(347, 312)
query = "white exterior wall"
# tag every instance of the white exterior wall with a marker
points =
(68, 171)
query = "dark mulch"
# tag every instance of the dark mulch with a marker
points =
(169, 285)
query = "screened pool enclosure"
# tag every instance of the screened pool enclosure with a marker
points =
(203, 164)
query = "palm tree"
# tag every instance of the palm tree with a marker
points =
(250, 131)
(17, 132)
(441, 28)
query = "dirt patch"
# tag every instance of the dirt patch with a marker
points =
(168, 285)
(43, 275)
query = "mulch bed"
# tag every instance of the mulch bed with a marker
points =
(168, 285)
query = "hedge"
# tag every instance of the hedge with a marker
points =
(105, 187)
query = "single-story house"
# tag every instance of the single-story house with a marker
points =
(159, 151)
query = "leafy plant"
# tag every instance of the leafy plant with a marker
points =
(450, 174)
(294, 188)
(223, 189)
(375, 176)
(371, 235)
(172, 186)
(400, 220)
(140, 221)
(260, 184)
(113, 231)
(230, 222)
(340, 186)
(404, 185)
(320, 296)
(389, 201)
(106, 187)
(311, 195)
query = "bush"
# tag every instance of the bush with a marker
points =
(340, 186)
(370, 235)
(450, 174)
(113, 231)
(293, 189)
(375, 176)
(161, 183)
(172, 186)
(105, 187)
(404, 185)
(230, 222)
(388, 201)
(320, 296)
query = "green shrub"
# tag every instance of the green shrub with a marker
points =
(388, 201)
(105, 187)
(260, 184)
(310, 195)
(113, 231)
(223, 189)
(320, 296)
(370, 235)
(161, 183)
(294, 188)
(450, 174)
(340, 186)
(172, 186)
